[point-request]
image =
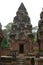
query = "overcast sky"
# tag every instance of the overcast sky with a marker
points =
(8, 9)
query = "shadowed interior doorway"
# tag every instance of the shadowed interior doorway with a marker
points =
(21, 48)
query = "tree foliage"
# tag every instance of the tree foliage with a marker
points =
(4, 43)
(34, 30)
(7, 29)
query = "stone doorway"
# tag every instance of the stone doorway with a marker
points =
(21, 48)
(32, 61)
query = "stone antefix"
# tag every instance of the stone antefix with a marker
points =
(21, 49)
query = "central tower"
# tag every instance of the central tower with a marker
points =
(40, 34)
(21, 32)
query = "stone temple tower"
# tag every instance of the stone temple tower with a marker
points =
(21, 33)
(40, 34)
(21, 48)
(1, 37)
(1, 33)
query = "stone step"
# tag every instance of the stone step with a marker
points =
(20, 61)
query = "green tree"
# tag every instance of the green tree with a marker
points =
(34, 30)
(4, 43)
(8, 26)
(7, 29)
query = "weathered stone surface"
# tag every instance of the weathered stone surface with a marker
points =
(21, 50)
(40, 34)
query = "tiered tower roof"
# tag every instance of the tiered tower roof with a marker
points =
(1, 33)
(41, 19)
(41, 14)
(21, 22)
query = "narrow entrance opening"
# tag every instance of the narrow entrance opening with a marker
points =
(32, 61)
(21, 48)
